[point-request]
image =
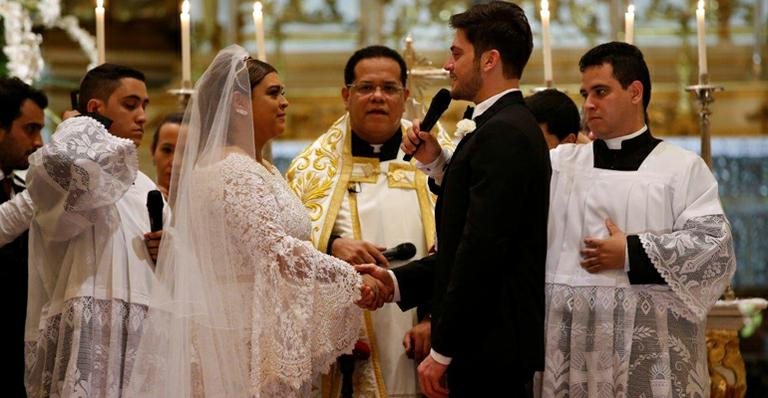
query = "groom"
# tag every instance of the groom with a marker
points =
(488, 273)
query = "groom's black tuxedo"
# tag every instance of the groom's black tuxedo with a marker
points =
(488, 273)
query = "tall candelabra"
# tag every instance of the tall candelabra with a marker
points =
(705, 94)
(183, 94)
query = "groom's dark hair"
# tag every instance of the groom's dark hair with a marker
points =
(499, 26)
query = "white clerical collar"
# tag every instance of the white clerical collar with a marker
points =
(615, 143)
(483, 106)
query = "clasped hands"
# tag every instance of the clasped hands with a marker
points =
(374, 292)
(377, 288)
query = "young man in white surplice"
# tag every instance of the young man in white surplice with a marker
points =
(638, 248)
(89, 271)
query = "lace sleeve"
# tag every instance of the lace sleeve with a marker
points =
(303, 298)
(697, 262)
(15, 216)
(73, 179)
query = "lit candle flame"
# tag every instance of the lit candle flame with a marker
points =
(185, 7)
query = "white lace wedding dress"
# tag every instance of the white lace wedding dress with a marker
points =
(276, 311)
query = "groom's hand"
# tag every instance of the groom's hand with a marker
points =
(371, 296)
(432, 378)
(420, 144)
(387, 285)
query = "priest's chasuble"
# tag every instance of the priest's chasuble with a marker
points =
(386, 202)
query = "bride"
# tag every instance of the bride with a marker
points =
(245, 306)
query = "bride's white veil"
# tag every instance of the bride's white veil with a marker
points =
(195, 342)
(241, 308)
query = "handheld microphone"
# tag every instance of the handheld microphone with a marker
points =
(155, 209)
(436, 108)
(403, 251)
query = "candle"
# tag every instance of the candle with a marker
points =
(702, 33)
(100, 49)
(629, 24)
(186, 62)
(258, 23)
(547, 51)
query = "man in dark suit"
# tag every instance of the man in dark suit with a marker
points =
(21, 120)
(488, 273)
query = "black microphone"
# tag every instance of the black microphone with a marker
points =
(439, 104)
(402, 251)
(155, 208)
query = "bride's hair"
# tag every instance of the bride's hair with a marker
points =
(257, 70)
(217, 85)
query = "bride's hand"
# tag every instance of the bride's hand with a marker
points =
(371, 293)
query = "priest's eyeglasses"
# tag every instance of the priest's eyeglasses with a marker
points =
(368, 88)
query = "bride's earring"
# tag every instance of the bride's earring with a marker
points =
(241, 111)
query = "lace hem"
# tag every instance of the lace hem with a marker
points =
(620, 342)
(86, 350)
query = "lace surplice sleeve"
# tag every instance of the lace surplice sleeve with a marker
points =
(75, 178)
(15, 216)
(696, 259)
(304, 312)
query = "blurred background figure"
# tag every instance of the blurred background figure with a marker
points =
(557, 116)
(163, 148)
(21, 120)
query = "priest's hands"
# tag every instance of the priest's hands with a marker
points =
(421, 144)
(356, 251)
(605, 254)
(378, 281)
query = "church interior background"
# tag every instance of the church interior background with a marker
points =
(51, 43)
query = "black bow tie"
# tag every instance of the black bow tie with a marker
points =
(468, 112)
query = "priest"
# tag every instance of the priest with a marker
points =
(363, 198)
(639, 248)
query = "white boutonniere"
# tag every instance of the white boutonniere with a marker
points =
(464, 127)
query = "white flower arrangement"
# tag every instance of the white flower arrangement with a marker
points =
(87, 42)
(464, 127)
(22, 46)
